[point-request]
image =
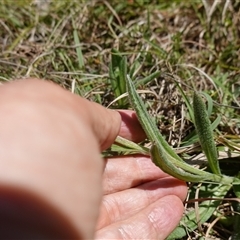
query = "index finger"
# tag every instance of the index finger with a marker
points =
(130, 126)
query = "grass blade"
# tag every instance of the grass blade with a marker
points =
(122, 75)
(78, 47)
(209, 103)
(205, 210)
(236, 229)
(117, 73)
(147, 79)
(187, 102)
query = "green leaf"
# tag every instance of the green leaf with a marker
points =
(187, 102)
(125, 145)
(117, 73)
(209, 104)
(147, 79)
(205, 134)
(78, 48)
(134, 68)
(236, 206)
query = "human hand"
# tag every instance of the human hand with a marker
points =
(51, 169)
(140, 200)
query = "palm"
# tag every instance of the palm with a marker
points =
(140, 201)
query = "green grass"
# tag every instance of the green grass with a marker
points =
(183, 42)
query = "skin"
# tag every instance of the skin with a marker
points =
(53, 181)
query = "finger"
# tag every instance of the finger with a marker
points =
(156, 221)
(124, 204)
(126, 172)
(130, 126)
(107, 124)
